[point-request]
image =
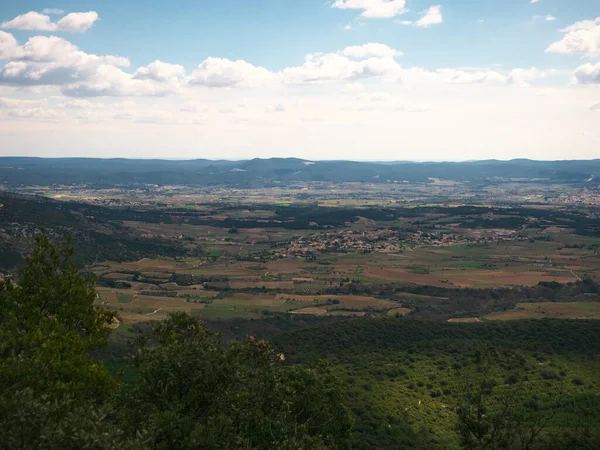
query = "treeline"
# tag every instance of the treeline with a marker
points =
(442, 303)
(358, 336)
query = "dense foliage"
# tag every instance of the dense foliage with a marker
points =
(520, 384)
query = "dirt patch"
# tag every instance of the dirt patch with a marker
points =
(314, 311)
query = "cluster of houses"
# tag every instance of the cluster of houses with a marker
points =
(384, 241)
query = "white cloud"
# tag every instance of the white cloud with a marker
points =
(10, 103)
(118, 61)
(373, 9)
(332, 67)
(111, 81)
(73, 22)
(328, 68)
(50, 60)
(348, 27)
(47, 48)
(546, 18)
(8, 45)
(369, 50)
(275, 108)
(353, 87)
(595, 107)
(30, 21)
(433, 16)
(159, 71)
(79, 104)
(77, 22)
(588, 74)
(221, 72)
(53, 11)
(535, 1)
(457, 76)
(581, 38)
(522, 77)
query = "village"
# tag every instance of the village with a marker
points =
(385, 241)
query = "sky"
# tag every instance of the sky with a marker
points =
(424, 80)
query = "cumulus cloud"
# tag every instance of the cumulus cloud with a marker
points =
(550, 18)
(118, 61)
(350, 65)
(581, 38)
(588, 74)
(330, 67)
(50, 60)
(373, 9)
(433, 16)
(111, 81)
(8, 45)
(53, 61)
(369, 50)
(30, 21)
(221, 72)
(77, 22)
(159, 71)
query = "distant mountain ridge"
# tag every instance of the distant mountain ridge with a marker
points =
(17, 171)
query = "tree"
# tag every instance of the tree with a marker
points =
(195, 392)
(50, 286)
(500, 416)
(48, 322)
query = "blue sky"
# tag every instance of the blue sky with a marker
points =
(495, 78)
(278, 33)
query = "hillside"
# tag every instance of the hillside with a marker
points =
(16, 171)
(96, 233)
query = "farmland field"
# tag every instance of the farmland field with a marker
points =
(575, 310)
(248, 261)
